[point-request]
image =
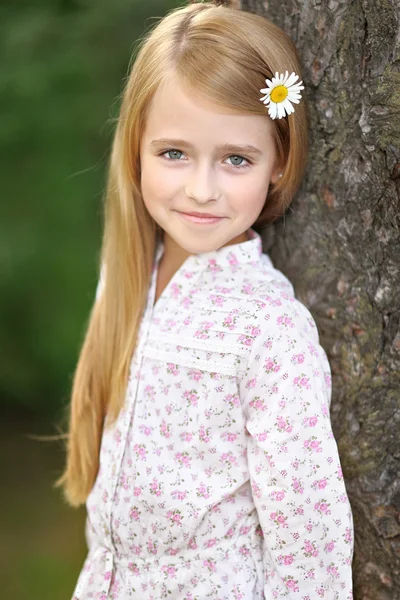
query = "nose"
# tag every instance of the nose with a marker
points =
(201, 184)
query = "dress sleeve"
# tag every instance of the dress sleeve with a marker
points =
(295, 471)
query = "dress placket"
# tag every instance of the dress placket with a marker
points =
(123, 425)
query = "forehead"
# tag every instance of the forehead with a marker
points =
(177, 112)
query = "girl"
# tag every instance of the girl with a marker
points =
(200, 435)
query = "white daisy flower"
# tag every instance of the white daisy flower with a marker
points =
(280, 93)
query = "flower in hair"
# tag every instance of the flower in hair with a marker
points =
(280, 92)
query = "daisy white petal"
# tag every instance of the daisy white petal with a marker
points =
(288, 106)
(281, 110)
(297, 87)
(293, 77)
(272, 110)
(294, 96)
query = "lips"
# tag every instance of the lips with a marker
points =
(197, 214)
(200, 218)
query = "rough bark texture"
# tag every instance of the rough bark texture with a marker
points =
(340, 246)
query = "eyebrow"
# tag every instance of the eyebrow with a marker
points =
(234, 148)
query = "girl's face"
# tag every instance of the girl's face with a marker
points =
(196, 157)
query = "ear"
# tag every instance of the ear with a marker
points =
(276, 173)
(277, 170)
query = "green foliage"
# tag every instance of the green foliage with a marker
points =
(42, 547)
(63, 65)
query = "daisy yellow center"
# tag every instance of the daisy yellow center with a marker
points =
(279, 93)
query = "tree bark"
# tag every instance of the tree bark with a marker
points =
(339, 244)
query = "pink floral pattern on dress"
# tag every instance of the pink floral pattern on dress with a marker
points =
(221, 478)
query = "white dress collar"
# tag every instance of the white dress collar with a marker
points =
(243, 252)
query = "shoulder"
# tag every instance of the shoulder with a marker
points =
(272, 300)
(264, 296)
(285, 331)
(281, 312)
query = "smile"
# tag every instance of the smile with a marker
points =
(200, 220)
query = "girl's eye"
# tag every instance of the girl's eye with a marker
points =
(173, 157)
(236, 156)
(172, 152)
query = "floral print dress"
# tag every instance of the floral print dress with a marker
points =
(221, 477)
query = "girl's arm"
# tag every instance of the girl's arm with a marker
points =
(295, 470)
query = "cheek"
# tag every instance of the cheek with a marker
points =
(250, 193)
(151, 184)
(157, 183)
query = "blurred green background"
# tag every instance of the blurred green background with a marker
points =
(62, 67)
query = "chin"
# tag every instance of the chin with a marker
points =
(194, 242)
(199, 247)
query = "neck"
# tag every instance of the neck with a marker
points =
(174, 255)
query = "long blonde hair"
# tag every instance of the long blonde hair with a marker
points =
(224, 55)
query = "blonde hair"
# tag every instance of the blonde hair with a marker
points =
(224, 55)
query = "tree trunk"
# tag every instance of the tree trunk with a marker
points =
(339, 244)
